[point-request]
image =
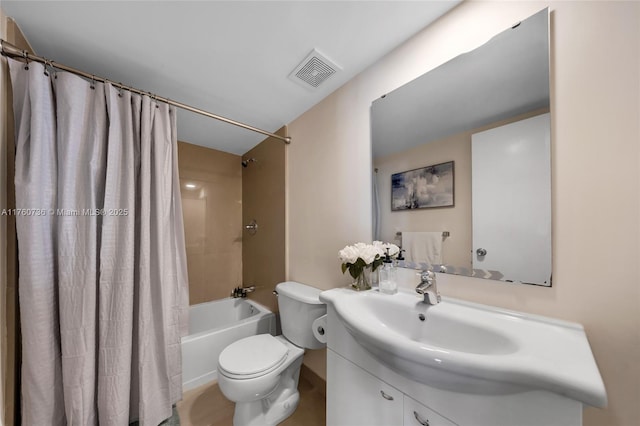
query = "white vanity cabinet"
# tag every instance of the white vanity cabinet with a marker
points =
(358, 398)
(363, 390)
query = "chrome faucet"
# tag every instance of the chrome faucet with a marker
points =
(242, 291)
(428, 288)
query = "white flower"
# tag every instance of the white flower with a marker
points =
(349, 254)
(393, 249)
(360, 247)
(369, 253)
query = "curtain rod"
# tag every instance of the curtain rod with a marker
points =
(9, 49)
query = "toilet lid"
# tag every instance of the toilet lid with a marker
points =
(252, 355)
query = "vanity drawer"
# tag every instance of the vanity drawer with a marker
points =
(416, 414)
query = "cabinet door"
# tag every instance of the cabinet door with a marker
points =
(416, 414)
(355, 397)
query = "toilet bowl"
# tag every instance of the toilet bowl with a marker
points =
(260, 373)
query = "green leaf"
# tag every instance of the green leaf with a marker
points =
(355, 270)
(376, 263)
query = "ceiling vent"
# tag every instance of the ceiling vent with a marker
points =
(314, 70)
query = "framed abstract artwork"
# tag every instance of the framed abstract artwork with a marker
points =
(423, 188)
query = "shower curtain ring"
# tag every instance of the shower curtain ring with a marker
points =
(93, 82)
(25, 55)
(120, 90)
(53, 70)
(46, 62)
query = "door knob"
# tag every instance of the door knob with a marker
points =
(252, 227)
(481, 252)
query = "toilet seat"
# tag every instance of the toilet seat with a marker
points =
(252, 357)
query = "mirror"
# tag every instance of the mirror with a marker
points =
(462, 161)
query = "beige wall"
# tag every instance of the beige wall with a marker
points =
(595, 164)
(263, 199)
(212, 220)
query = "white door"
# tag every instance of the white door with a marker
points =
(511, 200)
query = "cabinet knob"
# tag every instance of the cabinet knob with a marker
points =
(420, 419)
(385, 396)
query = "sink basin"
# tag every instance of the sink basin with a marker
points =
(467, 347)
(435, 326)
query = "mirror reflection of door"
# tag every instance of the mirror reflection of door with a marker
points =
(511, 197)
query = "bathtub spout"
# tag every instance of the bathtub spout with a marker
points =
(242, 291)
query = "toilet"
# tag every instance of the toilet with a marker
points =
(260, 373)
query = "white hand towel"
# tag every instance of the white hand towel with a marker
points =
(423, 247)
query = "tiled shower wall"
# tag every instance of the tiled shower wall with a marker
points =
(211, 186)
(219, 197)
(263, 196)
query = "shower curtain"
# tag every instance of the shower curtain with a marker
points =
(102, 263)
(376, 206)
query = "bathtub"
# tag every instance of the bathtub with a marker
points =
(212, 327)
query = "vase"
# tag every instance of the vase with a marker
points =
(363, 281)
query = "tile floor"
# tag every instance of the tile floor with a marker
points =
(206, 406)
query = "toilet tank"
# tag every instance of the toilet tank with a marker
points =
(299, 306)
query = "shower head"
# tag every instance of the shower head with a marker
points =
(245, 163)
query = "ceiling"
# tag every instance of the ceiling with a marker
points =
(505, 77)
(231, 58)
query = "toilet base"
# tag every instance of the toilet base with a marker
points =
(277, 406)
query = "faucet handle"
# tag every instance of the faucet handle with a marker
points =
(428, 288)
(426, 276)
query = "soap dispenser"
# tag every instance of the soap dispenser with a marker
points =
(388, 284)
